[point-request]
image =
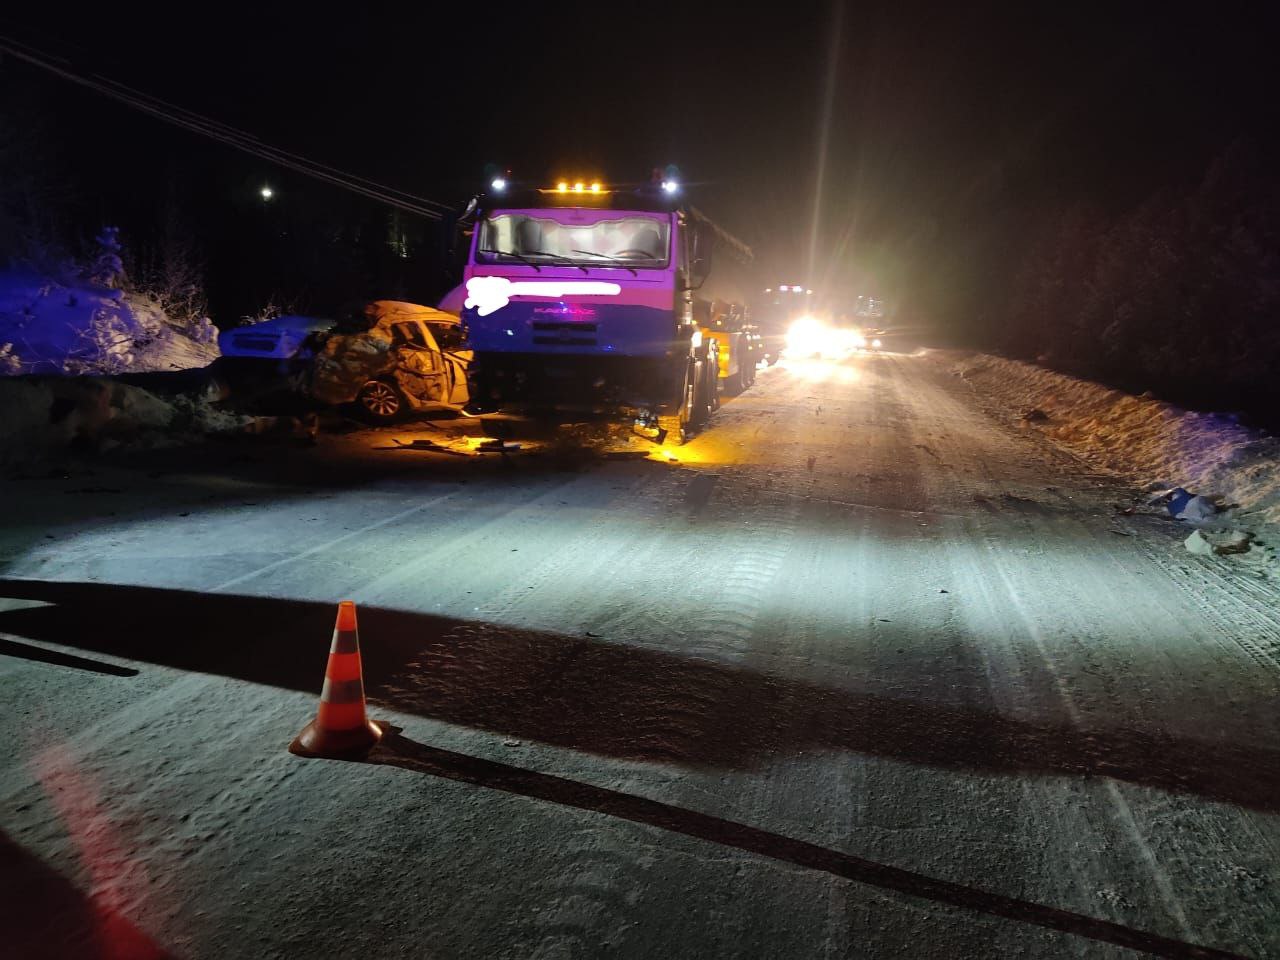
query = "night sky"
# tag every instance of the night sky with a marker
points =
(943, 125)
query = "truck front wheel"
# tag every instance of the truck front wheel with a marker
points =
(683, 422)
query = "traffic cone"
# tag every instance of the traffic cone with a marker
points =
(341, 728)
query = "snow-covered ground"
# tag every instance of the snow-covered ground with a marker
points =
(1154, 444)
(72, 326)
(868, 673)
(50, 419)
(1148, 440)
(61, 340)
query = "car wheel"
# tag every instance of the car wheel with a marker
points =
(379, 401)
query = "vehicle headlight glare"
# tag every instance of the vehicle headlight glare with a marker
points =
(807, 337)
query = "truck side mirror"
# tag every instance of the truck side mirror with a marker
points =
(700, 263)
(698, 271)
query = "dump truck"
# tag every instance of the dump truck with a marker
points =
(580, 296)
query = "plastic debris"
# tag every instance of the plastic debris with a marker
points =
(1183, 505)
(1198, 545)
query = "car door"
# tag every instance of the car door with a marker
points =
(420, 370)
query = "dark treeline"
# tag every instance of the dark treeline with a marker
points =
(1179, 295)
(192, 218)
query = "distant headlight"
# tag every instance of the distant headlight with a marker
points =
(876, 343)
(807, 336)
(859, 340)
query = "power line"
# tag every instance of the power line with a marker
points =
(223, 133)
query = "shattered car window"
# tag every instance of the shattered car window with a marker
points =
(405, 334)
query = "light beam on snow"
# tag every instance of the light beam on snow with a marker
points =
(488, 294)
(824, 132)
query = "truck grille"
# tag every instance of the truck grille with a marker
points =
(565, 334)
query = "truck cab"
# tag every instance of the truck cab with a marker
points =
(580, 296)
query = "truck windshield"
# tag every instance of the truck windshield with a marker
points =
(642, 243)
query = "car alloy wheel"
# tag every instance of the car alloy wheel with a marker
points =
(380, 399)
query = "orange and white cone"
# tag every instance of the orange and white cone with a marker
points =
(341, 727)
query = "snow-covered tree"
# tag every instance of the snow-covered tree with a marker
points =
(10, 363)
(107, 269)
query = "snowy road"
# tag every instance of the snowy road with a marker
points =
(868, 673)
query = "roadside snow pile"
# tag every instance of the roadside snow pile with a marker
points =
(80, 327)
(48, 417)
(1154, 443)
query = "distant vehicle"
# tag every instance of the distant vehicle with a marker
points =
(811, 336)
(780, 308)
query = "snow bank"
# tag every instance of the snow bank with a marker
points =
(46, 418)
(76, 327)
(1147, 440)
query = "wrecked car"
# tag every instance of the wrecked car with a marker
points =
(391, 359)
(277, 339)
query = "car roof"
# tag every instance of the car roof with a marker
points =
(398, 311)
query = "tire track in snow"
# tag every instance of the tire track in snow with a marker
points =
(1008, 594)
(592, 904)
(1154, 819)
(721, 625)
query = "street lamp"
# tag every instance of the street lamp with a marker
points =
(266, 192)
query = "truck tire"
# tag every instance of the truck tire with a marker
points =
(679, 426)
(711, 367)
(735, 384)
(701, 403)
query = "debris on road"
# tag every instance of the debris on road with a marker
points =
(1224, 543)
(1182, 505)
(459, 446)
(304, 429)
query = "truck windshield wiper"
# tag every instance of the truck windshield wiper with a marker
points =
(559, 259)
(511, 253)
(614, 260)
